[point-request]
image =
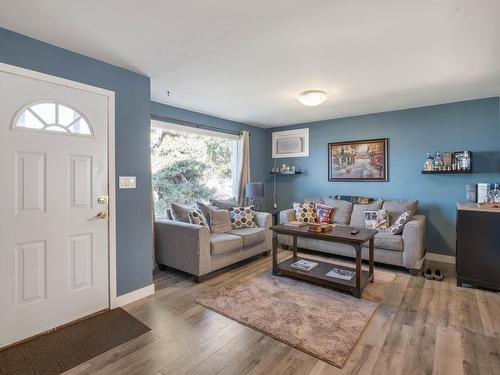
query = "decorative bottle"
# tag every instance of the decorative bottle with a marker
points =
(429, 162)
(438, 162)
(494, 194)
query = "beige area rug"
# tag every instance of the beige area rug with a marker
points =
(321, 322)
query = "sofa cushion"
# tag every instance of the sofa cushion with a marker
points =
(220, 221)
(396, 208)
(343, 210)
(224, 204)
(180, 211)
(223, 243)
(250, 236)
(386, 240)
(358, 213)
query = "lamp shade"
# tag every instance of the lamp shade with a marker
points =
(254, 189)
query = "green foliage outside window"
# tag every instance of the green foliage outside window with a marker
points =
(188, 167)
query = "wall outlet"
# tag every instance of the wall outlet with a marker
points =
(126, 182)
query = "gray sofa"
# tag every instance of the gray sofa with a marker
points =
(194, 249)
(406, 249)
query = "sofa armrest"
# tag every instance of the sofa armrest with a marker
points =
(183, 246)
(287, 216)
(414, 242)
(265, 220)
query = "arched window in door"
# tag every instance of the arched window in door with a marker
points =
(52, 117)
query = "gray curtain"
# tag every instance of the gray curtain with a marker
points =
(241, 168)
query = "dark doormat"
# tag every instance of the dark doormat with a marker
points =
(70, 346)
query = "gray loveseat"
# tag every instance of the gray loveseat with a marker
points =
(194, 249)
(406, 249)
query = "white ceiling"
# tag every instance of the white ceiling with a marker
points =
(248, 60)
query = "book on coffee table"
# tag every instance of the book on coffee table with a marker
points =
(340, 273)
(304, 265)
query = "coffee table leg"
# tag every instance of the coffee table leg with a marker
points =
(358, 271)
(294, 248)
(275, 254)
(370, 260)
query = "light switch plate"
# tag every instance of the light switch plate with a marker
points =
(127, 182)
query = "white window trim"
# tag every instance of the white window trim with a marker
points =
(190, 129)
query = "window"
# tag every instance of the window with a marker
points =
(52, 117)
(189, 164)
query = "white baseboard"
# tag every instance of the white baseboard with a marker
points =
(440, 258)
(136, 295)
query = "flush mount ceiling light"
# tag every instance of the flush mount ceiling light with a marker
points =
(312, 98)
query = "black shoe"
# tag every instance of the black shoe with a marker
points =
(428, 274)
(438, 275)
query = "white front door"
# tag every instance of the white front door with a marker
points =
(53, 169)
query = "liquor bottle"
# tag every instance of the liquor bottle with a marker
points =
(438, 162)
(494, 194)
(429, 162)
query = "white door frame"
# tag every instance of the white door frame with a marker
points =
(12, 69)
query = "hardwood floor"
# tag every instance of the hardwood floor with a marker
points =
(421, 327)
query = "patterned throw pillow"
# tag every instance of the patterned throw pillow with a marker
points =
(378, 219)
(324, 213)
(305, 212)
(397, 227)
(242, 217)
(197, 217)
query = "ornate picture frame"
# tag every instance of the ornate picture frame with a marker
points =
(364, 160)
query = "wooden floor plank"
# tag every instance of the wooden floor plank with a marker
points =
(448, 355)
(420, 327)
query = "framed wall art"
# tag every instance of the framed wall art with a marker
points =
(365, 160)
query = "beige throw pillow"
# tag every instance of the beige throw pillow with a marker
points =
(220, 221)
(343, 210)
(180, 211)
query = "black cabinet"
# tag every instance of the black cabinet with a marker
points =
(478, 248)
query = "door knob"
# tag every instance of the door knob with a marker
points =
(99, 216)
(103, 199)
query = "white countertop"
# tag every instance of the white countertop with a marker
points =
(474, 207)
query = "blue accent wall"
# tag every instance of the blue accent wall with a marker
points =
(132, 95)
(259, 152)
(470, 125)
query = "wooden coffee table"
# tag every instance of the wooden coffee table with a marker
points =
(317, 275)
